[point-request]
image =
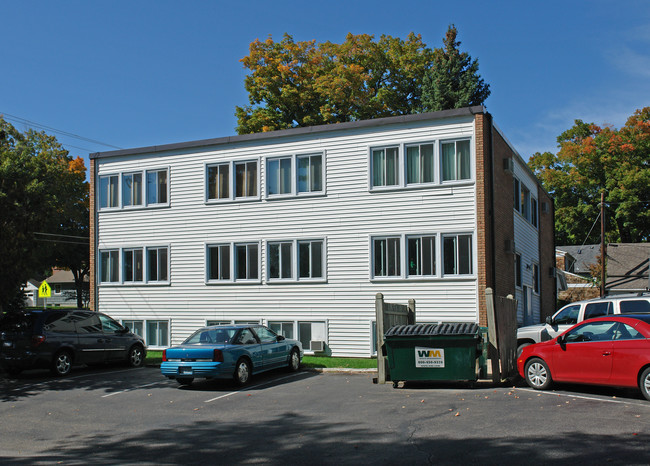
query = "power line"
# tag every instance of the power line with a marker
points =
(61, 235)
(25, 121)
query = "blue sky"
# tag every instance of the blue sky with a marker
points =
(140, 73)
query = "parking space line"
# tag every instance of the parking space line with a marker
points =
(130, 389)
(253, 386)
(583, 397)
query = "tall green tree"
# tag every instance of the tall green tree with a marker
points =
(293, 84)
(453, 80)
(42, 190)
(593, 160)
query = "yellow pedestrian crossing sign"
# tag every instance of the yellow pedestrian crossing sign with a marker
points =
(44, 291)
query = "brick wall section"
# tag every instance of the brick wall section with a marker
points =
(93, 304)
(504, 226)
(482, 126)
(547, 254)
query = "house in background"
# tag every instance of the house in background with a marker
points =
(30, 289)
(627, 269)
(300, 228)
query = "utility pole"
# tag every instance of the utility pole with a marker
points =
(603, 246)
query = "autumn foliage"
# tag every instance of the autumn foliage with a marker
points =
(594, 159)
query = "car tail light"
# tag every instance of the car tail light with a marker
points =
(37, 340)
(217, 356)
(164, 355)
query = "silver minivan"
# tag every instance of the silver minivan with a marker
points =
(576, 312)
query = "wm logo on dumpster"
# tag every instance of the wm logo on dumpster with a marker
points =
(429, 357)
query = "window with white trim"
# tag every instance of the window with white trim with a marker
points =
(457, 254)
(280, 261)
(534, 215)
(309, 173)
(247, 261)
(219, 262)
(525, 202)
(131, 189)
(421, 255)
(218, 181)
(135, 326)
(278, 176)
(516, 189)
(311, 331)
(387, 256)
(158, 264)
(246, 179)
(282, 328)
(108, 191)
(456, 160)
(420, 165)
(310, 259)
(109, 266)
(157, 187)
(385, 166)
(132, 262)
(157, 333)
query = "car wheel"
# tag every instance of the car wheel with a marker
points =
(186, 381)
(537, 374)
(62, 363)
(521, 347)
(294, 360)
(136, 356)
(644, 383)
(242, 372)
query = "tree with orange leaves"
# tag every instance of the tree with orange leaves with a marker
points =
(594, 159)
(42, 190)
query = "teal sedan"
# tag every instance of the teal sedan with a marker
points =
(230, 352)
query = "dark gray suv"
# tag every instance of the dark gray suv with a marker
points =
(56, 339)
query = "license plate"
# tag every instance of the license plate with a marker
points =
(185, 370)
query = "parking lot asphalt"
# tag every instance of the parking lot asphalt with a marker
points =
(115, 415)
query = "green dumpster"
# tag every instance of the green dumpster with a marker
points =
(436, 352)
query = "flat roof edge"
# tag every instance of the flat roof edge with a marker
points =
(376, 122)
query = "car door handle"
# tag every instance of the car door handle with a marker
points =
(606, 353)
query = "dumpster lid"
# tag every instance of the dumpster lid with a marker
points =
(455, 328)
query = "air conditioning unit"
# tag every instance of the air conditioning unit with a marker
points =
(317, 346)
(510, 246)
(509, 165)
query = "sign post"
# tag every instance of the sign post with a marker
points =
(44, 291)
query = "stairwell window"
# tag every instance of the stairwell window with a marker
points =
(456, 161)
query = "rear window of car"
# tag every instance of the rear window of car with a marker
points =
(17, 322)
(604, 308)
(637, 306)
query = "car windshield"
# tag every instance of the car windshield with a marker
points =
(211, 336)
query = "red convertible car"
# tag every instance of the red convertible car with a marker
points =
(611, 350)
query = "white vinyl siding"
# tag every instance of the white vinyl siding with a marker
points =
(344, 214)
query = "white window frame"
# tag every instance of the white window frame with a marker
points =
(325, 333)
(133, 264)
(245, 197)
(106, 195)
(436, 255)
(208, 263)
(116, 266)
(323, 171)
(441, 167)
(323, 259)
(434, 164)
(282, 245)
(399, 261)
(534, 211)
(147, 201)
(235, 270)
(129, 323)
(291, 178)
(147, 337)
(398, 167)
(123, 177)
(283, 323)
(472, 251)
(230, 178)
(147, 265)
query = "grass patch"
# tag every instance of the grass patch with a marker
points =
(320, 362)
(334, 363)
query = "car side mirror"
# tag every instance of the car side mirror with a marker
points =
(124, 330)
(549, 320)
(280, 338)
(562, 341)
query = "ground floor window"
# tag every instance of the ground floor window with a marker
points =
(157, 333)
(136, 326)
(282, 328)
(218, 322)
(309, 332)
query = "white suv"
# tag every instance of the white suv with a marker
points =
(577, 312)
